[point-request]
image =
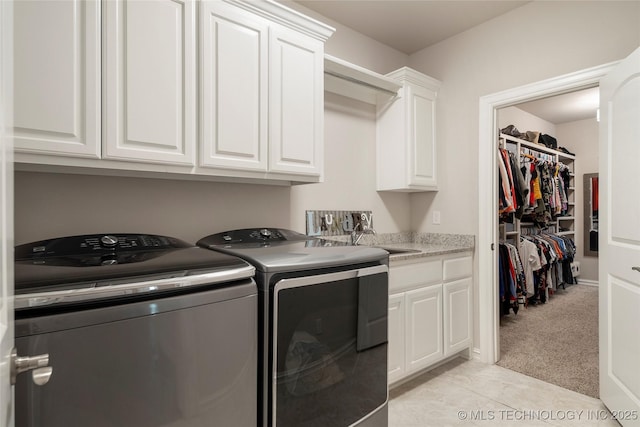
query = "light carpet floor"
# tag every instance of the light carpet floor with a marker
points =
(556, 342)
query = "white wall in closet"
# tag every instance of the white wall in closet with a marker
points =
(581, 138)
(524, 121)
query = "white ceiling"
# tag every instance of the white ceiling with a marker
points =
(410, 26)
(569, 107)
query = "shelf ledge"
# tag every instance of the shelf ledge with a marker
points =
(356, 82)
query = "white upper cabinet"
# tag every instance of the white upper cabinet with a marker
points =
(234, 88)
(262, 89)
(224, 88)
(406, 135)
(56, 77)
(150, 81)
(296, 103)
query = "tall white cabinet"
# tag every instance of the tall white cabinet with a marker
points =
(200, 88)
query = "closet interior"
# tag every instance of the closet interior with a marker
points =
(536, 218)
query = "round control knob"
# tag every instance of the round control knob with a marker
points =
(266, 233)
(109, 241)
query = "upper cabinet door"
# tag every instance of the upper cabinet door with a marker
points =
(296, 103)
(234, 88)
(57, 77)
(150, 84)
(406, 135)
(422, 163)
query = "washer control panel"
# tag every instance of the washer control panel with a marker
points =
(97, 243)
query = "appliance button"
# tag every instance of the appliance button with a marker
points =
(109, 241)
(265, 232)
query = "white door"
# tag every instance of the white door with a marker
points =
(620, 241)
(6, 211)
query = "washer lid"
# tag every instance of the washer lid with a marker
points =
(92, 261)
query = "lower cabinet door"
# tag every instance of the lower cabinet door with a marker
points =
(396, 362)
(457, 315)
(424, 341)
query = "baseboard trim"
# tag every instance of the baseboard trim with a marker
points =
(588, 282)
(428, 369)
(475, 353)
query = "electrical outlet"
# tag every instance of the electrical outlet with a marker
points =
(436, 217)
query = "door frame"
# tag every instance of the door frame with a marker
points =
(6, 212)
(488, 293)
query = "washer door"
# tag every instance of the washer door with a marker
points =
(330, 348)
(184, 361)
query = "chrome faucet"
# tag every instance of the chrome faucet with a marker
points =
(355, 236)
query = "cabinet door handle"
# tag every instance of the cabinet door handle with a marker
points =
(636, 269)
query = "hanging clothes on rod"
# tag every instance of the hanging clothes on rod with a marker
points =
(548, 183)
(548, 259)
(513, 189)
(511, 276)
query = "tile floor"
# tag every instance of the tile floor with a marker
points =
(471, 393)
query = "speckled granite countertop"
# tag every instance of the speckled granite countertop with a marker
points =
(420, 244)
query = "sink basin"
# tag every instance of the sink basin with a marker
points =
(394, 251)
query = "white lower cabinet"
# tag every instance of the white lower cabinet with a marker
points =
(396, 363)
(423, 324)
(457, 315)
(429, 312)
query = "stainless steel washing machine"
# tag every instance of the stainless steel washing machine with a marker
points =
(134, 330)
(323, 327)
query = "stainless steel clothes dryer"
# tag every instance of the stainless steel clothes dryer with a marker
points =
(140, 331)
(323, 332)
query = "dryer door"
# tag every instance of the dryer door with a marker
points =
(330, 348)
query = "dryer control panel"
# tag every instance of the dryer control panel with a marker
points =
(252, 235)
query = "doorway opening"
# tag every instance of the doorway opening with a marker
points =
(549, 316)
(488, 238)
